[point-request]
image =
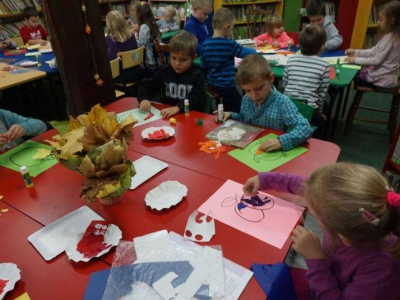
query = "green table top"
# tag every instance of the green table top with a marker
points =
(345, 78)
(168, 35)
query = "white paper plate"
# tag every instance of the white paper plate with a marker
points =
(46, 51)
(167, 194)
(112, 237)
(28, 63)
(167, 129)
(10, 272)
(52, 240)
(146, 167)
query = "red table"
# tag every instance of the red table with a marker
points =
(56, 193)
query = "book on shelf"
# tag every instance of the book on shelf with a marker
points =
(373, 16)
(235, 133)
(17, 6)
(12, 29)
(370, 40)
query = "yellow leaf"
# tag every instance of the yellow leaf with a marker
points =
(108, 189)
(113, 154)
(93, 136)
(97, 115)
(73, 124)
(72, 144)
(42, 153)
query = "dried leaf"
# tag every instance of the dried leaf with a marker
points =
(87, 167)
(71, 143)
(73, 124)
(118, 169)
(93, 136)
(112, 154)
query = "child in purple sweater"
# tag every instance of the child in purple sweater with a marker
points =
(360, 215)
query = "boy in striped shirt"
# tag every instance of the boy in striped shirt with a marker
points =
(218, 59)
(306, 76)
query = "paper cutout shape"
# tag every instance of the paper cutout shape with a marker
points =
(140, 115)
(167, 194)
(265, 161)
(24, 296)
(332, 74)
(22, 155)
(269, 219)
(158, 133)
(10, 274)
(199, 228)
(42, 153)
(28, 63)
(92, 241)
(149, 116)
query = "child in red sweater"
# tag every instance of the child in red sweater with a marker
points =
(32, 32)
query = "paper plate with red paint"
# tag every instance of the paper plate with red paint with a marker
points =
(9, 275)
(158, 133)
(109, 234)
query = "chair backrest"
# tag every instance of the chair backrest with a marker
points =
(18, 40)
(255, 19)
(161, 48)
(132, 58)
(207, 105)
(115, 68)
(305, 110)
(295, 36)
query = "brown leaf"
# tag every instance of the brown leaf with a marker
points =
(113, 154)
(87, 167)
(117, 169)
(94, 136)
(71, 141)
(73, 124)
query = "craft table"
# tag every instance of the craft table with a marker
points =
(8, 80)
(40, 279)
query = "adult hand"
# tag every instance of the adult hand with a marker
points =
(350, 52)
(350, 59)
(226, 116)
(306, 243)
(145, 105)
(169, 112)
(251, 186)
(15, 131)
(270, 145)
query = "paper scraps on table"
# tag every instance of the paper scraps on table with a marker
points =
(149, 116)
(212, 147)
(24, 296)
(1, 197)
(42, 153)
(158, 134)
(4, 210)
(92, 241)
(200, 228)
(332, 74)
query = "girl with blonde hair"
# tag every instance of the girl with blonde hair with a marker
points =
(360, 216)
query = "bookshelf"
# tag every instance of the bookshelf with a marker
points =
(239, 10)
(183, 9)
(365, 33)
(12, 17)
(120, 5)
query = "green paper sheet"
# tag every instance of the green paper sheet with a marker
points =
(22, 156)
(266, 161)
(357, 67)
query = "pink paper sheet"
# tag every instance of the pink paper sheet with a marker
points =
(272, 221)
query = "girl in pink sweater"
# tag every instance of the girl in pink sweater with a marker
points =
(275, 34)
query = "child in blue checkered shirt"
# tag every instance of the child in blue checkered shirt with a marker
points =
(263, 105)
(167, 23)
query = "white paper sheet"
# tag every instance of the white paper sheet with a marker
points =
(146, 167)
(140, 115)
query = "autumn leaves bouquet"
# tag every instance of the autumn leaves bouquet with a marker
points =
(95, 146)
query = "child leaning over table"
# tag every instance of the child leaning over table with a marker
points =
(306, 75)
(360, 216)
(180, 80)
(218, 59)
(316, 11)
(5, 41)
(275, 34)
(32, 32)
(263, 105)
(13, 127)
(167, 23)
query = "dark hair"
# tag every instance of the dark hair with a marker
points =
(312, 38)
(315, 8)
(391, 11)
(183, 41)
(145, 16)
(29, 12)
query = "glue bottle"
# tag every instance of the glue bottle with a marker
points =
(289, 45)
(26, 176)
(39, 64)
(337, 74)
(220, 117)
(186, 106)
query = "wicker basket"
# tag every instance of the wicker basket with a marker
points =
(110, 200)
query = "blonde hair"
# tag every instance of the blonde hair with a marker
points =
(202, 3)
(337, 192)
(252, 68)
(183, 42)
(117, 28)
(272, 22)
(170, 11)
(222, 17)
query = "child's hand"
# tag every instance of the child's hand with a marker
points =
(43, 42)
(264, 43)
(15, 131)
(3, 46)
(129, 22)
(350, 59)
(350, 52)
(275, 44)
(169, 112)
(227, 115)
(166, 30)
(145, 105)
(306, 243)
(270, 145)
(135, 27)
(3, 140)
(251, 186)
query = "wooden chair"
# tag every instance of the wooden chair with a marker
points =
(18, 40)
(131, 59)
(391, 122)
(255, 19)
(114, 64)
